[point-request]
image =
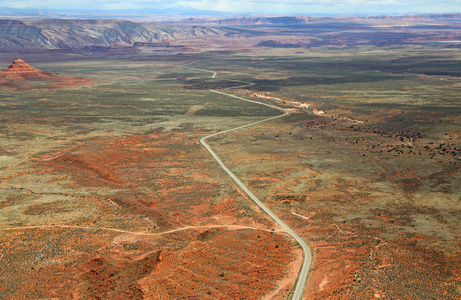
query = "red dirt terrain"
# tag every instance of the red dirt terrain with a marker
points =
(159, 182)
(211, 264)
(19, 73)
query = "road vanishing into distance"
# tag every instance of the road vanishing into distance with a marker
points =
(307, 253)
(307, 261)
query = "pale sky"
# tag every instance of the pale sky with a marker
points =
(299, 7)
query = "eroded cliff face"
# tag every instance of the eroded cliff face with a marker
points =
(77, 34)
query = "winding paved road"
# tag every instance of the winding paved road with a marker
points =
(304, 272)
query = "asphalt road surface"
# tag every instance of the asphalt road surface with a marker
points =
(304, 272)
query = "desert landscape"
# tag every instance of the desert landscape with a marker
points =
(108, 193)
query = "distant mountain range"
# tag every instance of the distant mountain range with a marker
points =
(299, 20)
(178, 11)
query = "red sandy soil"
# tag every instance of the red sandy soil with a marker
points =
(216, 263)
(211, 264)
(183, 191)
(20, 72)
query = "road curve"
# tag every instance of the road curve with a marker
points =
(304, 272)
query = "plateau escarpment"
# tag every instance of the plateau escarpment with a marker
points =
(78, 34)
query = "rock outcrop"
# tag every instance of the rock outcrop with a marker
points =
(19, 70)
(19, 76)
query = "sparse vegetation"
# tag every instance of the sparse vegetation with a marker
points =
(366, 167)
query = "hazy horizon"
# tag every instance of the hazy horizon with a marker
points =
(291, 7)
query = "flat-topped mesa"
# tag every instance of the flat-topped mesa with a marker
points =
(20, 70)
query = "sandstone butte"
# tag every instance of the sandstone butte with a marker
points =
(20, 70)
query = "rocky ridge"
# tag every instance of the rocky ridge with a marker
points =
(78, 34)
